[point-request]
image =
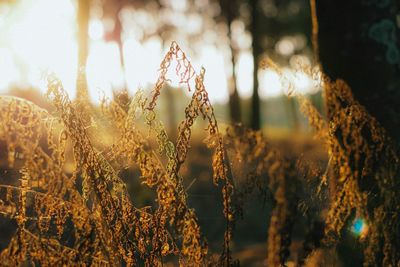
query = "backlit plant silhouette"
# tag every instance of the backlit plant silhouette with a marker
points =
(71, 206)
(363, 171)
(93, 202)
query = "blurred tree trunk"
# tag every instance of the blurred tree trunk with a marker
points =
(118, 39)
(359, 42)
(255, 99)
(234, 99)
(230, 9)
(115, 35)
(112, 9)
(83, 48)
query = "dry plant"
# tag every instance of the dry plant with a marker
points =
(365, 169)
(267, 170)
(83, 215)
(363, 172)
(87, 217)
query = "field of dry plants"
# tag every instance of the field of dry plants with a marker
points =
(65, 175)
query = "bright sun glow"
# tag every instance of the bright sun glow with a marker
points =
(96, 29)
(39, 36)
(32, 37)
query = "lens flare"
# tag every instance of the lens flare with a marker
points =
(359, 228)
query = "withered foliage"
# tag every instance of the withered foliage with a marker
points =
(366, 165)
(78, 211)
(263, 168)
(363, 173)
(91, 204)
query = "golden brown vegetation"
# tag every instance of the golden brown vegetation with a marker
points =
(362, 169)
(100, 214)
(83, 215)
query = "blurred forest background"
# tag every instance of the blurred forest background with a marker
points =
(121, 43)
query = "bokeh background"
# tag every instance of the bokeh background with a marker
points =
(119, 44)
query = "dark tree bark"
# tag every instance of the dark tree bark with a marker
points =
(255, 99)
(359, 42)
(83, 48)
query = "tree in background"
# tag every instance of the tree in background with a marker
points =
(257, 50)
(111, 10)
(230, 12)
(159, 22)
(362, 47)
(269, 22)
(164, 13)
(279, 29)
(83, 16)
